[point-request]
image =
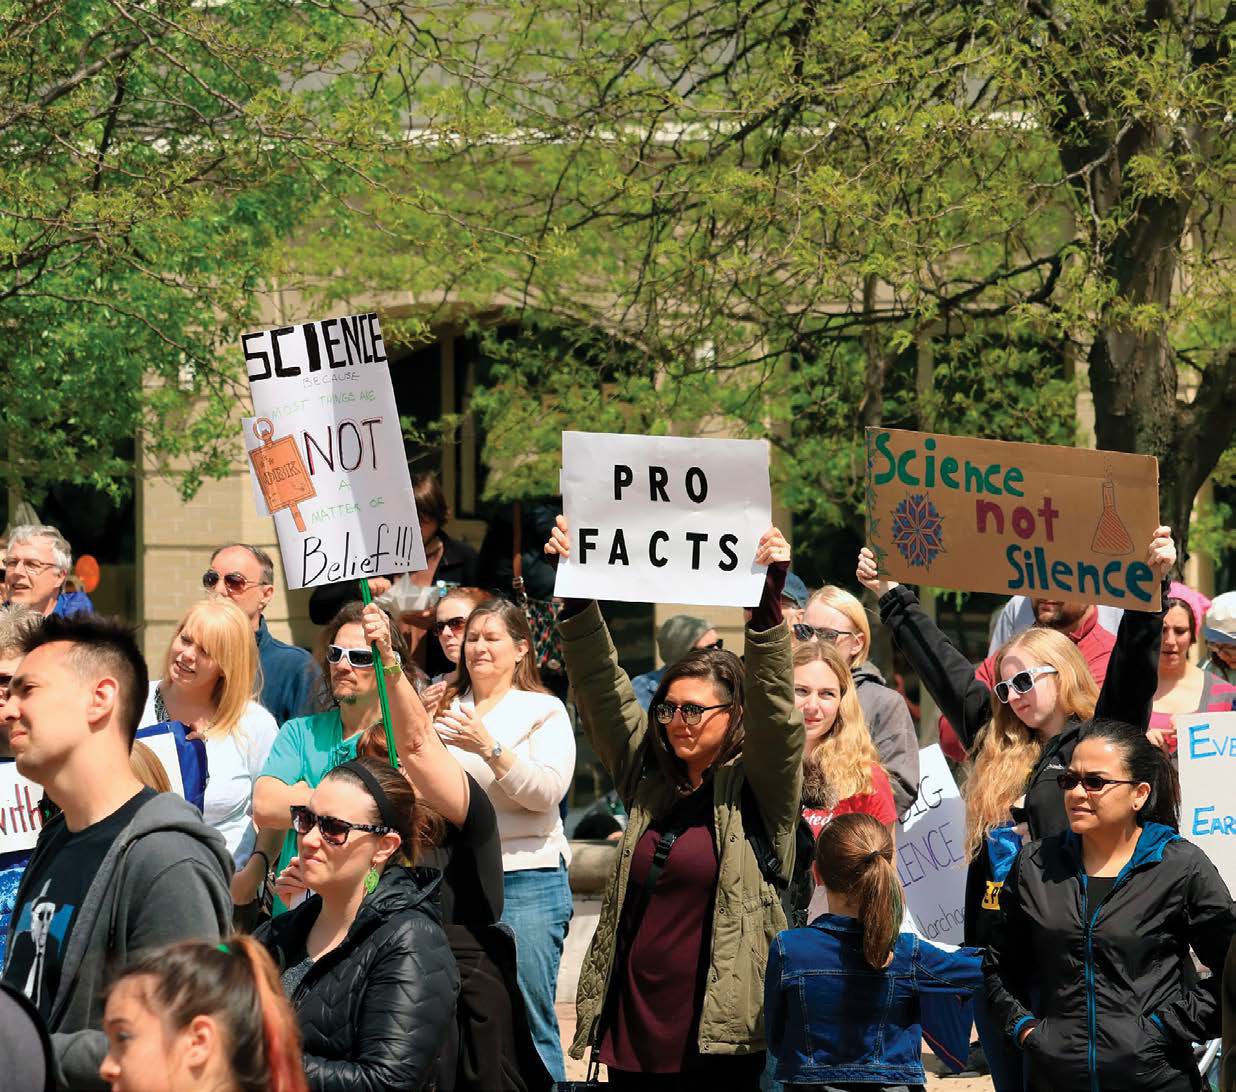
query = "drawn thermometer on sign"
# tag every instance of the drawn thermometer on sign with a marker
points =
(281, 472)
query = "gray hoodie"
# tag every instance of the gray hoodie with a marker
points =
(892, 732)
(166, 878)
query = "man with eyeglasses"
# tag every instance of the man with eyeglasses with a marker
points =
(677, 636)
(36, 564)
(245, 574)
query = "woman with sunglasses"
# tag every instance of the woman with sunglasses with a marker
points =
(515, 739)
(364, 960)
(671, 991)
(1088, 969)
(836, 617)
(448, 626)
(210, 684)
(1018, 735)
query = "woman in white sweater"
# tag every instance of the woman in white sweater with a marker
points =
(209, 683)
(516, 740)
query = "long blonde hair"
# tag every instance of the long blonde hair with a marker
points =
(1006, 751)
(226, 636)
(845, 754)
(841, 600)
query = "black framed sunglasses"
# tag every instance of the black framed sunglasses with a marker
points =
(1091, 782)
(356, 657)
(233, 582)
(804, 632)
(716, 646)
(334, 831)
(452, 624)
(691, 713)
(1021, 683)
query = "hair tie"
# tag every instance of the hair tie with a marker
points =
(872, 857)
(385, 808)
(225, 949)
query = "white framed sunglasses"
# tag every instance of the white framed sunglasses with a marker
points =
(1021, 683)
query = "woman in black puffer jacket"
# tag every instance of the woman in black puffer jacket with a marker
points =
(1089, 971)
(365, 961)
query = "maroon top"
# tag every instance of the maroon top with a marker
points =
(661, 989)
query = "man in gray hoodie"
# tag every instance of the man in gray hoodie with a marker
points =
(120, 867)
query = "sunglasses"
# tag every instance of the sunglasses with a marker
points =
(233, 582)
(452, 624)
(356, 657)
(1021, 683)
(716, 646)
(1091, 782)
(805, 632)
(334, 831)
(691, 713)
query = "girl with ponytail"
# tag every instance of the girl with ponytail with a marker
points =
(201, 1017)
(841, 996)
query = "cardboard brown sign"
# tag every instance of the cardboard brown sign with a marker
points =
(1017, 519)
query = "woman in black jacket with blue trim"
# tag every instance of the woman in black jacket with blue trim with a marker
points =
(1089, 969)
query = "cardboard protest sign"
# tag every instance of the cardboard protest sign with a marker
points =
(931, 856)
(1206, 747)
(664, 518)
(20, 821)
(1016, 519)
(326, 451)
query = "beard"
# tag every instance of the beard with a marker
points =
(817, 792)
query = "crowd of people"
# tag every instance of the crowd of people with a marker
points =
(293, 906)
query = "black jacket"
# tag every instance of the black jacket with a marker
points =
(375, 1011)
(1112, 986)
(1127, 695)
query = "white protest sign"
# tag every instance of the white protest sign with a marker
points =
(664, 519)
(326, 451)
(931, 856)
(20, 821)
(1206, 747)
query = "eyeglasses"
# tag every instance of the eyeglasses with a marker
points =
(233, 582)
(805, 632)
(716, 646)
(1021, 683)
(334, 831)
(31, 566)
(691, 713)
(1091, 782)
(356, 657)
(452, 624)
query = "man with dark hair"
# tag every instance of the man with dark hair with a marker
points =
(120, 867)
(245, 574)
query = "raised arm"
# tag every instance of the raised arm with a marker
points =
(1132, 676)
(943, 671)
(772, 752)
(437, 777)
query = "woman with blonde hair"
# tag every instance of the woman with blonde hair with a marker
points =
(836, 617)
(211, 677)
(1024, 740)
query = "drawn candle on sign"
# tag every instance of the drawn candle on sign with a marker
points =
(281, 472)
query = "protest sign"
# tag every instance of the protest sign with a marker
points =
(326, 451)
(1016, 519)
(931, 856)
(20, 821)
(1206, 746)
(664, 519)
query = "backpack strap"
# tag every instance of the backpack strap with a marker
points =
(757, 835)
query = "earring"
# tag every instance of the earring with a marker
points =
(371, 880)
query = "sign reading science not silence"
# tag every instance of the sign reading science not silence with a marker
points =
(1016, 519)
(664, 519)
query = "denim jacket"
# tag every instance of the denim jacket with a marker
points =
(830, 1017)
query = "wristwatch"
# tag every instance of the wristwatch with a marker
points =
(496, 752)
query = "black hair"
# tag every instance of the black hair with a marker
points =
(401, 800)
(353, 614)
(430, 500)
(1190, 613)
(100, 646)
(1145, 763)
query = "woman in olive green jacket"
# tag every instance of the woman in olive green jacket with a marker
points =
(688, 997)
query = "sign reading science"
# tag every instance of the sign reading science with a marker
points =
(1016, 519)
(326, 451)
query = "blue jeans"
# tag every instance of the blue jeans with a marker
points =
(537, 905)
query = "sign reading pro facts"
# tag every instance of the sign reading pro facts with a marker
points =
(664, 519)
(326, 451)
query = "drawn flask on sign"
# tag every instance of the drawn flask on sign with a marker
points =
(1111, 536)
(280, 471)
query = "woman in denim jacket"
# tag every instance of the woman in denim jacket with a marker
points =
(841, 996)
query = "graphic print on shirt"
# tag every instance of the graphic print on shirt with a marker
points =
(38, 944)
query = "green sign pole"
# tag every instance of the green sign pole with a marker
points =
(380, 673)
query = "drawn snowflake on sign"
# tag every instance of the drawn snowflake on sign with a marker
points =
(918, 530)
